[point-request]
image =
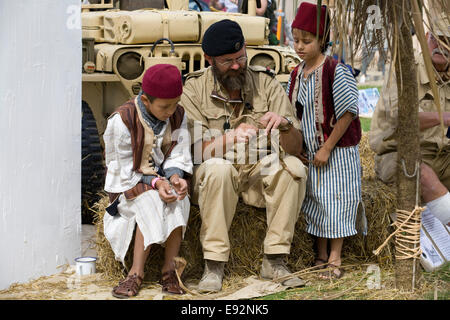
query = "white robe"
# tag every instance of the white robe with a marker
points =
(155, 218)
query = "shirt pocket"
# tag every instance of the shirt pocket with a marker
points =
(216, 118)
(427, 104)
(259, 106)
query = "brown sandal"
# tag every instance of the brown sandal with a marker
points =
(128, 288)
(170, 284)
(335, 273)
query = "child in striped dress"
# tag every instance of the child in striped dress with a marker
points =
(325, 96)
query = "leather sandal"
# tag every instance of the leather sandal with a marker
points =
(128, 288)
(170, 284)
(335, 273)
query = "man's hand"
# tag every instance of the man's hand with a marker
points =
(165, 191)
(304, 158)
(446, 117)
(290, 140)
(179, 185)
(431, 119)
(272, 121)
(244, 132)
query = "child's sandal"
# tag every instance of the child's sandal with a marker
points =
(170, 284)
(335, 273)
(128, 288)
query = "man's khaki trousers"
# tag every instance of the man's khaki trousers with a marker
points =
(218, 184)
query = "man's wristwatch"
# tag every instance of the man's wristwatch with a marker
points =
(286, 127)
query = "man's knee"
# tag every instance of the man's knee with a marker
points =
(296, 168)
(272, 165)
(386, 166)
(218, 169)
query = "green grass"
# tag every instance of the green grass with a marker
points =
(365, 124)
(354, 286)
(362, 87)
(439, 277)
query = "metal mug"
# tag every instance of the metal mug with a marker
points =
(85, 265)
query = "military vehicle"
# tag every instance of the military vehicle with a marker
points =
(121, 39)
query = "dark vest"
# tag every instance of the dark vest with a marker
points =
(353, 134)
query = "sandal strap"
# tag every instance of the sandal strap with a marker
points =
(130, 283)
(169, 282)
(169, 277)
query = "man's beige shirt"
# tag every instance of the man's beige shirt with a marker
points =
(261, 93)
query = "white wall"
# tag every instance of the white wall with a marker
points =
(40, 149)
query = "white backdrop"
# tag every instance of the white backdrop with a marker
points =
(40, 149)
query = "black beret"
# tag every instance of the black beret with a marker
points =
(223, 37)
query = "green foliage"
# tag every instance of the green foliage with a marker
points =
(365, 124)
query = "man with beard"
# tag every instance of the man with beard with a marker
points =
(434, 142)
(230, 104)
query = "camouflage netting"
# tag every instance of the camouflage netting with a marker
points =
(247, 234)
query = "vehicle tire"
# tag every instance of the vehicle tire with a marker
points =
(92, 167)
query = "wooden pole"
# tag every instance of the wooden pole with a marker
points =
(407, 140)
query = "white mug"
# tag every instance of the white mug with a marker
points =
(85, 265)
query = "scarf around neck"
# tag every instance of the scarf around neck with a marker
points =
(154, 123)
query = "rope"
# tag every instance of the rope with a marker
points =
(407, 231)
(407, 228)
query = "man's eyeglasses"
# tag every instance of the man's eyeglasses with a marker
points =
(229, 62)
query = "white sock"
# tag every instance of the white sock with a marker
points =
(440, 208)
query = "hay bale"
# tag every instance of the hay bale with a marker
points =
(367, 157)
(248, 231)
(246, 235)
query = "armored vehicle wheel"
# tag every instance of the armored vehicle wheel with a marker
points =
(92, 168)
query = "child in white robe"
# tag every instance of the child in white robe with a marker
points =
(146, 162)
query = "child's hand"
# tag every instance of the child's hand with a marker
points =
(321, 157)
(180, 186)
(165, 191)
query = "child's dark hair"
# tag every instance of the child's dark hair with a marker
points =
(149, 97)
(324, 43)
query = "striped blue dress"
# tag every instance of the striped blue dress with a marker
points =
(333, 192)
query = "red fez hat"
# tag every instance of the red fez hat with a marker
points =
(306, 18)
(162, 81)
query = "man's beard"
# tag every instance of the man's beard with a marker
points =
(231, 79)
